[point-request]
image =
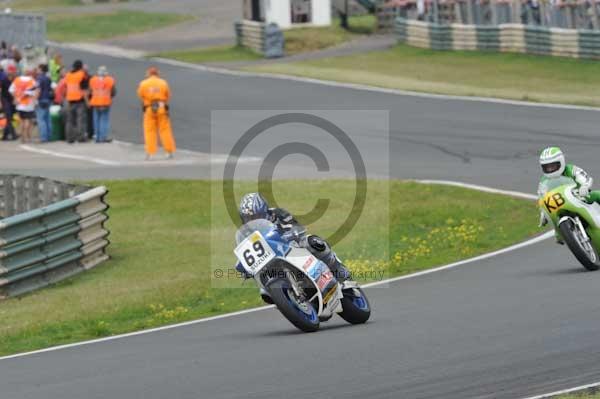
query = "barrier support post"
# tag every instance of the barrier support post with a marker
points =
(594, 15)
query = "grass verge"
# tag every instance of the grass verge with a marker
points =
(160, 270)
(297, 40)
(212, 54)
(301, 40)
(42, 4)
(466, 73)
(97, 26)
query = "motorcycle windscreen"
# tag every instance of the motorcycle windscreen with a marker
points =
(553, 183)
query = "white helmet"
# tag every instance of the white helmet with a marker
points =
(552, 161)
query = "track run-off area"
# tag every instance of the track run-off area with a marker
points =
(518, 323)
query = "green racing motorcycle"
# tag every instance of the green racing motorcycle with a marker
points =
(576, 221)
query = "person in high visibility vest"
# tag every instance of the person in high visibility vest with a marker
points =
(24, 91)
(155, 94)
(102, 91)
(55, 65)
(76, 93)
(3, 119)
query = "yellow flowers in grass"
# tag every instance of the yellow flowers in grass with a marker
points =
(160, 312)
(454, 236)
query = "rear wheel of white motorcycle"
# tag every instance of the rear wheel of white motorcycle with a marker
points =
(356, 306)
(583, 251)
(300, 313)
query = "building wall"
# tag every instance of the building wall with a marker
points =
(321, 12)
(279, 12)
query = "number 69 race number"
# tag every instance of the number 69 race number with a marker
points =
(254, 252)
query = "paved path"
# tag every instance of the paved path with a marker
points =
(212, 24)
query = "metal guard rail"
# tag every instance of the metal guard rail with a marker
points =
(505, 37)
(45, 245)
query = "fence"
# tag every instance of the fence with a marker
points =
(50, 231)
(265, 39)
(567, 14)
(23, 29)
(505, 37)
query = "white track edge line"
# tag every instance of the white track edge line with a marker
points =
(134, 333)
(514, 247)
(258, 309)
(480, 188)
(213, 158)
(365, 87)
(565, 391)
(70, 156)
(122, 53)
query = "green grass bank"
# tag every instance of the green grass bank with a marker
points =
(165, 237)
(97, 26)
(465, 73)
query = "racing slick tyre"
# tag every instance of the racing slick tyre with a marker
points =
(586, 256)
(355, 305)
(300, 313)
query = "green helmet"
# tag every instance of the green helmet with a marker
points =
(552, 161)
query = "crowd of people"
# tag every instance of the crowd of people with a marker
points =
(36, 85)
(32, 83)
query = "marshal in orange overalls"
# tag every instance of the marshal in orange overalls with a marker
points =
(155, 94)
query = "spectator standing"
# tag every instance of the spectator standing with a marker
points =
(3, 50)
(5, 63)
(55, 65)
(102, 91)
(6, 98)
(154, 93)
(76, 91)
(60, 91)
(3, 121)
(43, 104)
(89, 121)
(14, 54)
(24, 91)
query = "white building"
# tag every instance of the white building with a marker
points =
(289, 13)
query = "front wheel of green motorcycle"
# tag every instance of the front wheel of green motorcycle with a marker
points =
(580, 245)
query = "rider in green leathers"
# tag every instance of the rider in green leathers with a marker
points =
(553, 165)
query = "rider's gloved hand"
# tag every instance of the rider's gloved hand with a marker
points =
(243, 271)
(543, 220)
(584, 191)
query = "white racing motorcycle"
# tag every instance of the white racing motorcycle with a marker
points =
(301, 286)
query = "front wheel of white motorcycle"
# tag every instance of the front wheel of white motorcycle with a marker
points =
(580, 245)
(355, 305)
(300, 312)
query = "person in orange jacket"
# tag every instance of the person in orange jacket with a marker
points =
(155, 94)
(25, 92)
(102, 91)
(77, 83)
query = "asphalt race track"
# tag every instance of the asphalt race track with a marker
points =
(515, 325)
(483, 143)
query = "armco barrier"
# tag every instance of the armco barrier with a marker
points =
(49, 231)
(265, 39)
(515, 38)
